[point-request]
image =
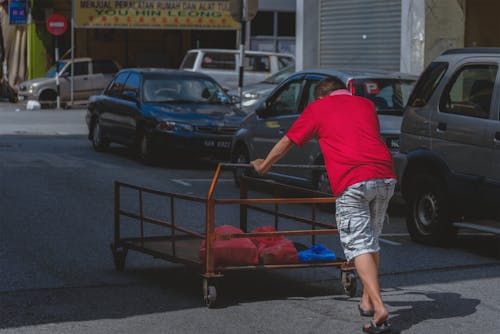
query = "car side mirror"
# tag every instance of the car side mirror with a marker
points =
(65, 74)
(130, 95)
(261, 108)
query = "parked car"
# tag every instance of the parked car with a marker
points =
(163, 112)
(449, 163)
(223, 65)
(255, 92)
(91, 77)
(275, 115)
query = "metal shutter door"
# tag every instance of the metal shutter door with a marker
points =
(360, 33)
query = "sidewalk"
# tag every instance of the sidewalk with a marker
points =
(16, 120)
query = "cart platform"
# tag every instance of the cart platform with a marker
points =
(180, 244)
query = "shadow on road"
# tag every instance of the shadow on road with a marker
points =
(160, 290)
(419, 306)
(438, 305)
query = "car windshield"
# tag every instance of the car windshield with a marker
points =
(389, 95)
(277, 77)
(180, 89)
(52, 72)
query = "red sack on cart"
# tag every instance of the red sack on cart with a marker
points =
(281, 252)
(263, 242)
(237, 251)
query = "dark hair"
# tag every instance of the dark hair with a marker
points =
(327, 86)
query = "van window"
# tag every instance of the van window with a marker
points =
(389, 95)
(470, 91)
(218, 61)
(189, 60)
(104, 66)
(81, 68)
(255, 63)
(427, 84)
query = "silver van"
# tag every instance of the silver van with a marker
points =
(223, 65)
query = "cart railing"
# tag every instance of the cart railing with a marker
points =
(118, 212)
(245, 203)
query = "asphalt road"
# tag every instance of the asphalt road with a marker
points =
(57, 274)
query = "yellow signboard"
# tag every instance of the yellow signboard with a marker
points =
(153, 14)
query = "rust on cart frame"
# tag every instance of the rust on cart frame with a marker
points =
(182, 244)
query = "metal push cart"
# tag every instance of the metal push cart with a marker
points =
(181, 245)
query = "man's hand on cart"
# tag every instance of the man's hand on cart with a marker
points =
(262, 166)
(257, 164)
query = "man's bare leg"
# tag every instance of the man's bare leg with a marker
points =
(366, 266)
(366, 304)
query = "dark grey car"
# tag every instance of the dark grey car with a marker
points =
(273, 117)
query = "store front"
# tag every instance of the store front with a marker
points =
(154, 33)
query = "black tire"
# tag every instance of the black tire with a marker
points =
(209, 293)
(98, 139)
(240, 156)
(349, 283)
(48, 99)
(119, 257)
(428, 219)
(145, 151)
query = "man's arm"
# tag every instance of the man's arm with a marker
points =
(279, 150)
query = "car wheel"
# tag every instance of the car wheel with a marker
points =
(48, 99)
(99, 142)
(145, 149)
(428, 219)
(240, 156)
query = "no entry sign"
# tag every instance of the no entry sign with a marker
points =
(57, 24)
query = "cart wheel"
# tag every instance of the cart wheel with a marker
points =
(349, 283)
(209, 293)
(119, 256)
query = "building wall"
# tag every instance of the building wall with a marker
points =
(444, 27)
(481, 23)
(412, 36)
(307, 39)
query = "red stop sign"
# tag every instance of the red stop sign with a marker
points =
(57, 24)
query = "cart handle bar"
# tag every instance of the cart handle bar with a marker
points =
(239, 165)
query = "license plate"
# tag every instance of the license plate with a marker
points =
(393, 143)
(224, 144)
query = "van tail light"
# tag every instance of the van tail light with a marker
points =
(351, 87)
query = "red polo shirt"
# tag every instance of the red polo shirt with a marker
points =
(348, 132)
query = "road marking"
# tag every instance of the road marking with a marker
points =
(185, 182)
(181, 182)
(392, 243)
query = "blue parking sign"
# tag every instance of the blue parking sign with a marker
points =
(18, 12)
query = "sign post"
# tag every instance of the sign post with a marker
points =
(57, 25)
(243, 11)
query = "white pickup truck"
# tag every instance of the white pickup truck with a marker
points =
(223, 65)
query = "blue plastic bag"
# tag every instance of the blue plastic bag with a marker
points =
(317, 252)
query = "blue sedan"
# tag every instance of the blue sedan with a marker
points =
(158, 112)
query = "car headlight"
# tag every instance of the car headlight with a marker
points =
(31, 89)
(250, 99)
(175, 126)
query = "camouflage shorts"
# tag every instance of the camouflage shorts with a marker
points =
(361, 212)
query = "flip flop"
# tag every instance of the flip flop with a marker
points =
(365, 313)
(375, 328)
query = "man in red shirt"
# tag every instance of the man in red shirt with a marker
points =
(361, 175)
